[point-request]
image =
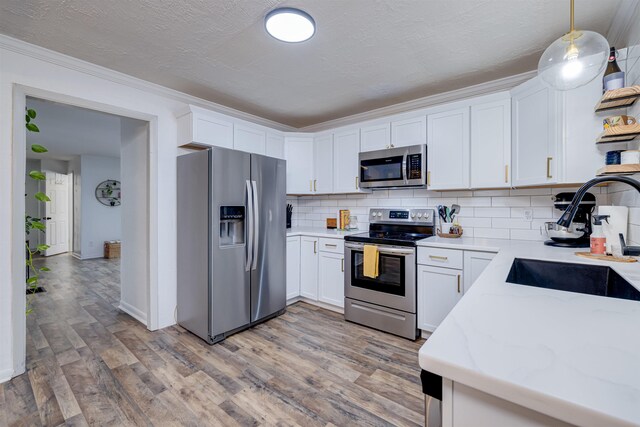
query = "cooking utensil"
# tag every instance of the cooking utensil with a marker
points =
(455, 210)
(442, 212)
(561, 234)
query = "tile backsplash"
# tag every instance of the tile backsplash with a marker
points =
(484, 213)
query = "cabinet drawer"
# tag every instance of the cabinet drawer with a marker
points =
(449, 258)
(332, 245)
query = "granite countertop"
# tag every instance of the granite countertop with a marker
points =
(321, 232)
(571, 356)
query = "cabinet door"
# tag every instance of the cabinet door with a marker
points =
(409, 132)
(491, 144)
(299, 156)
(331, 278)
(293, 267)
(346, 146)
(323, 164)
(205, 128)
(439, 290)
(309, 267)
(275, 145)
(248, 139)
(448, 149)
(474, 265)
(375, 137)
(534, 134)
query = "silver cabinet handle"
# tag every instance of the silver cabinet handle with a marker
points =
(315, 250)
(256, 221)
(250, 217)
(330, 245)
(458, 283)
(438, 258)
(342, 264)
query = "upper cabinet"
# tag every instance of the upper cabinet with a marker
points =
(375, 137)
(346, 146)
(206, 128)
(275, 145)
(249, 139)
(323, 163)
(535, 133)
(448, 149)
(409, 132)
(299, 157)
(491, 144)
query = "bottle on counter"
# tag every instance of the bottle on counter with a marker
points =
(598, 240)
(613, 77)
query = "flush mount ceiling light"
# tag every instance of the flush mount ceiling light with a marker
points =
(290, 25)
(574, 59)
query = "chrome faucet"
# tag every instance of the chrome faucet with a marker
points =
(570, 212)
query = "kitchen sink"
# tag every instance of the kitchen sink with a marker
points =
(581, 278)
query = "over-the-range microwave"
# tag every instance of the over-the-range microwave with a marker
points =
(394, 167)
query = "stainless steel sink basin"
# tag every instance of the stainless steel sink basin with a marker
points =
(581, 278)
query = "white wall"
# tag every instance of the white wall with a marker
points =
(98, 222)
(57, 166)
(76, 206)
(32, 206)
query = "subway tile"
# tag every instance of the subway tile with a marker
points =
(379, 194)
(474, 201)
(533, 235)
(543, 212)
(511, 201)
(475, 222)
(400, 194)
(357, 196)
(491, 233)
(541, 201)
(367, 202)
(458, 193)
(510, 223)
(446, 201)
(423, 192)
(390, 202)
(634, 216)
(491, 193)
(530, 191)
(329, 202)
(492, 212)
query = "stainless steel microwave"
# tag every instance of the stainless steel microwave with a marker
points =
(394, 167)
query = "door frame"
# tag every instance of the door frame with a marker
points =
(19, 147)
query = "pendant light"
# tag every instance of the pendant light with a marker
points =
(574, 59)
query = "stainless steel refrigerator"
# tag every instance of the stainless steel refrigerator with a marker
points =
(231, 241)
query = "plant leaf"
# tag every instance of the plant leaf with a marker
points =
(38, 226)
(31, 113)
(37, 175)
(31, 127)
(32, 280)
(36, 148)
(45, 269)
(42, 197)
(27, 118)
(43, 248)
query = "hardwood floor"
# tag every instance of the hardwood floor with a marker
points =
(89, 363)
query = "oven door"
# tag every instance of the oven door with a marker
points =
(395, 286)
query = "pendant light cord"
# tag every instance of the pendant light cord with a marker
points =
(572, 28)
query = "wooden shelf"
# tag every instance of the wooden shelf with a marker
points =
(622, 133)
(619, 169)
(618, 98)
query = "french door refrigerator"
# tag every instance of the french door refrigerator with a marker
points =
(231, 241)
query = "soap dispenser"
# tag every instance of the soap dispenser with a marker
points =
(598, 239)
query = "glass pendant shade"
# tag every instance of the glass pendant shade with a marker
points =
(574, 60)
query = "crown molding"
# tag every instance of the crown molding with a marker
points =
(75, 64)
(621, 23)
(485, 88)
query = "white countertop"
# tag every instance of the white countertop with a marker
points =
(571, 356)
(469, 243)
(321, 232)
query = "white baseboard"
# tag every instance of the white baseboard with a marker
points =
(322, 305)
(6, 375)
(133, 312)
(76, 255)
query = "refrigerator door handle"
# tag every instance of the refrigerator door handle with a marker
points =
(256, 224)
(249, 217)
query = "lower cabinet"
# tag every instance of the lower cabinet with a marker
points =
(293, 267)
(309, 267)
(331, 283)
(474, 265)
(439, 290)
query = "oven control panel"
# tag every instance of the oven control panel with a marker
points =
(412, 216)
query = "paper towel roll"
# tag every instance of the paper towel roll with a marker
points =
(618, 217)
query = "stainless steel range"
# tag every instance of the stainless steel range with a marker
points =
(387, 302)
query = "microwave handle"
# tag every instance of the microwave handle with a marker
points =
(404, 166)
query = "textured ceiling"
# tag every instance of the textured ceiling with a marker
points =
(366, 54)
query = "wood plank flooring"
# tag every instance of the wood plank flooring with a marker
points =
(90, 364)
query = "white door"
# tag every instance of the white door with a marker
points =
(248, 139)
(309, 267)
(323, 163)
(331, 278)
(491, 144)
(346, 146)
(439, 290)
(409, 132)
(57, 213)
(293, 267)
(534, 134)
(448, 149)
(474, 265)
(299, 156)
(375, 137)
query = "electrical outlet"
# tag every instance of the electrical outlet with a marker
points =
(528, 214)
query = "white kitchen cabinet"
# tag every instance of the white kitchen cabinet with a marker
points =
(346, 146)
(206, 128)
(535, 134)
(275, 145)
(299, 156)
(293, 267)
(323, 163)
(411, 131)
(331, 278)
(375, 137)
(439, 290)
(491, 144)
(474, 265)
(448, 145)
(249, 139)
(309, 267)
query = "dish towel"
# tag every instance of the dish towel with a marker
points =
(370, 267)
